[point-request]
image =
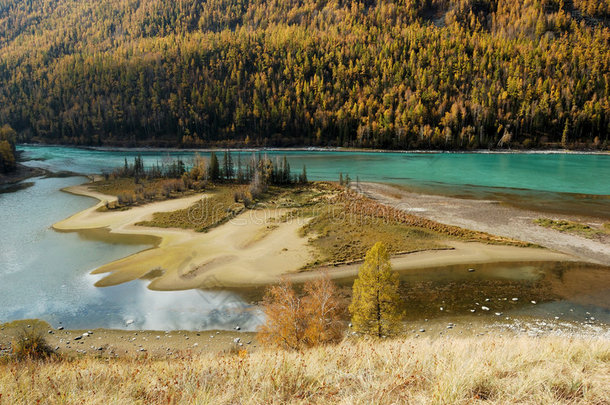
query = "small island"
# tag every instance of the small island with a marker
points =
(253, 226)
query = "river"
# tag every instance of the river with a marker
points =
(45, 274)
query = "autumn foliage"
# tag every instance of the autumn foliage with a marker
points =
(448, 74)
(375, 306)
(7, 149)
(295, 322)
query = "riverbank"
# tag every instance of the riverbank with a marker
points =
(172, 344)
(491, 216)
(587, 151)
(255, 248)
(20, 174)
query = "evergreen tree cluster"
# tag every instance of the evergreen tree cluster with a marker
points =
(169, 169)
(271, 171)
(451, 74)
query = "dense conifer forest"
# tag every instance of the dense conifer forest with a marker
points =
(449, 74)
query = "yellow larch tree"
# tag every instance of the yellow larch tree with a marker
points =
(375, 306)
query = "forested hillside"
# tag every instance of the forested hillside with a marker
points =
(451, 74)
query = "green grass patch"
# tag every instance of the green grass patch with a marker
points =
(573, 227)
(207, 213)
(130, 193)
(340, 237)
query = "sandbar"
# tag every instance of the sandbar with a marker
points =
(254, 248)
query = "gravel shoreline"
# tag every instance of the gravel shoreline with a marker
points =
(114, 343)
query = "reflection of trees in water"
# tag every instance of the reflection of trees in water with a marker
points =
(581, 283)
(558, 270)
(424, 299)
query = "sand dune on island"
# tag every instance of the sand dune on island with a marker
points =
(254, 248)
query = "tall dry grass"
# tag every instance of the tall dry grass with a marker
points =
(444, 371)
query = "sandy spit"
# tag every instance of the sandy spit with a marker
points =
(252, 249)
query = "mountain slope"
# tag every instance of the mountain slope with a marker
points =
(386, 74)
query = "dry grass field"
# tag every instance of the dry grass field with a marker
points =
(492, 370)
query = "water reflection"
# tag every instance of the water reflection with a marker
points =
(133, 306)
(570, 291)
(45, 274)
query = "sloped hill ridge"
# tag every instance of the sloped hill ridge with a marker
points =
(450, 74)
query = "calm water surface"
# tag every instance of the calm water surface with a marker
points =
(561, 173)
(45, 274)
(557, 182)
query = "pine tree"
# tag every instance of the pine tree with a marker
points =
(214, 168)
(303, 178)
(227, 164)
(7, 158)
(375, 306)
(564, 136)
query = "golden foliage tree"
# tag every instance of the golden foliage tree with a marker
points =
(375, 306)
(323, 312)
(7, 158)
(7, 149)
(295, 322)
(285, 324)
(171, 73)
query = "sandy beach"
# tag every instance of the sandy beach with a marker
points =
(250, 250)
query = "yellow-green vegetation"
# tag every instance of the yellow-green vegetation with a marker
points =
(221, 205)
(497, 370)
(341, 238)
(225, 201)
(131, 193)
(7, 149)
(573, 227)
(31, 344)
(375, 306)
(434, 74)
(345, 225)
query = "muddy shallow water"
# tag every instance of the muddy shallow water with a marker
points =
(567, 290)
